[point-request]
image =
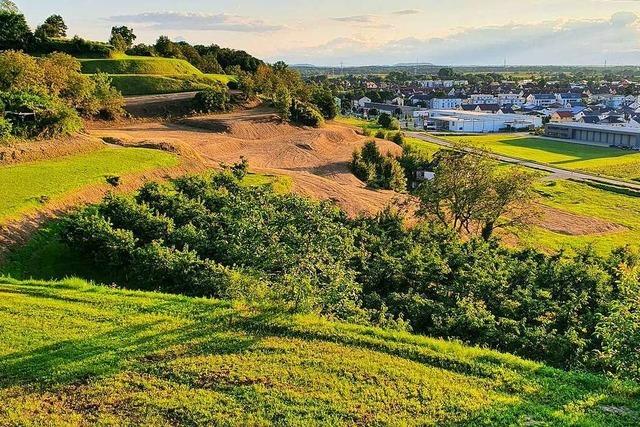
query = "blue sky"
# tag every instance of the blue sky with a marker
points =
(328, 32)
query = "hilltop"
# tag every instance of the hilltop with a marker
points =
(134, 358)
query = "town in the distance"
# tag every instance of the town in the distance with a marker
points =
(198, 229)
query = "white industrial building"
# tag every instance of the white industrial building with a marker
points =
(474, 122)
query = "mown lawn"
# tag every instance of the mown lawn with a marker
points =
(76, 354)
(29, 185)
(142, 84)
(138, 65)
(597, 160)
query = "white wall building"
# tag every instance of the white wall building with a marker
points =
(449, 103)
(510, 99)
(474, 122)
(483, 99)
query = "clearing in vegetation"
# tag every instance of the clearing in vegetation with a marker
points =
(607, 161)
(28, 185)
(76, 354)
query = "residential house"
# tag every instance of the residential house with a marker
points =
(541, 99)
(510, 99)
(483, 98)
(562, 116)
(446, 103)
(567, 100)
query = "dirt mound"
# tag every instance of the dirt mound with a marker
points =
(316, 159)
(571, 224)
(50, 149)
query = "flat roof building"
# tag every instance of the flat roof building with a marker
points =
(474, 122)
(592, 134)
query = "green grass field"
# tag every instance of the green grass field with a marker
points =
(588, 202)
(25, 186)
(140, 84)
(597, 160)
(76, 354)
(139, 65)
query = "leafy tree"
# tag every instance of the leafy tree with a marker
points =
(9, 7)
(54, 26)
(282, 101)
(446, 73)
(214, 99)
(125, 39)
(166, 48)
(14, 31)
(384, 120)
(469, 194)
(324, 100)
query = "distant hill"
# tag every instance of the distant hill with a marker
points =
(76, 354)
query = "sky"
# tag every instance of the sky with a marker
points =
(374, 32)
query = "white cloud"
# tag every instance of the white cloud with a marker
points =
(197, 22)
(407, 12)
(568, 42)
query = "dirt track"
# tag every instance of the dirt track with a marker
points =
(316, 159)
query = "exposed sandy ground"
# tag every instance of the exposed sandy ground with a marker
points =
(316, 159)
(571, 224)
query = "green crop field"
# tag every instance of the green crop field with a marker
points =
(140, 84)
(597, 160)
(76, 354)
(139, 65)
(27, 185)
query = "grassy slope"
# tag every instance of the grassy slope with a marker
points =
(139, 65)
(598, 160)
(25, 183)
(44, 257)
(139, 84)
(72, 353)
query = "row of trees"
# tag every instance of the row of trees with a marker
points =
(216, 237)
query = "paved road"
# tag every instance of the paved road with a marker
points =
(132, 101)
(557, 172)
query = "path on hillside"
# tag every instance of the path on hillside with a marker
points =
(557, 172)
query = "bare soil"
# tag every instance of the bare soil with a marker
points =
(571, 224)
(316, 159)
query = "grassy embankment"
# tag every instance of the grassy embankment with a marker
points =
(139, 75)
(613, 162)
(44, 257)
(72, 353)
(28, 185)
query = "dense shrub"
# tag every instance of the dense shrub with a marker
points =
(306, 114)
(376, 170)
(51, 91)
(386, 121)
(47, 116)
(75, 46)
(211, 100)
(5, 129)
(212, 236)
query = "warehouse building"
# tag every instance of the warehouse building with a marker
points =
(473, 121)
(605, 135)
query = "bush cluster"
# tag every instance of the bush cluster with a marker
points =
(376, 170)
(211, 100)
(43, 97)
(214, 237)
